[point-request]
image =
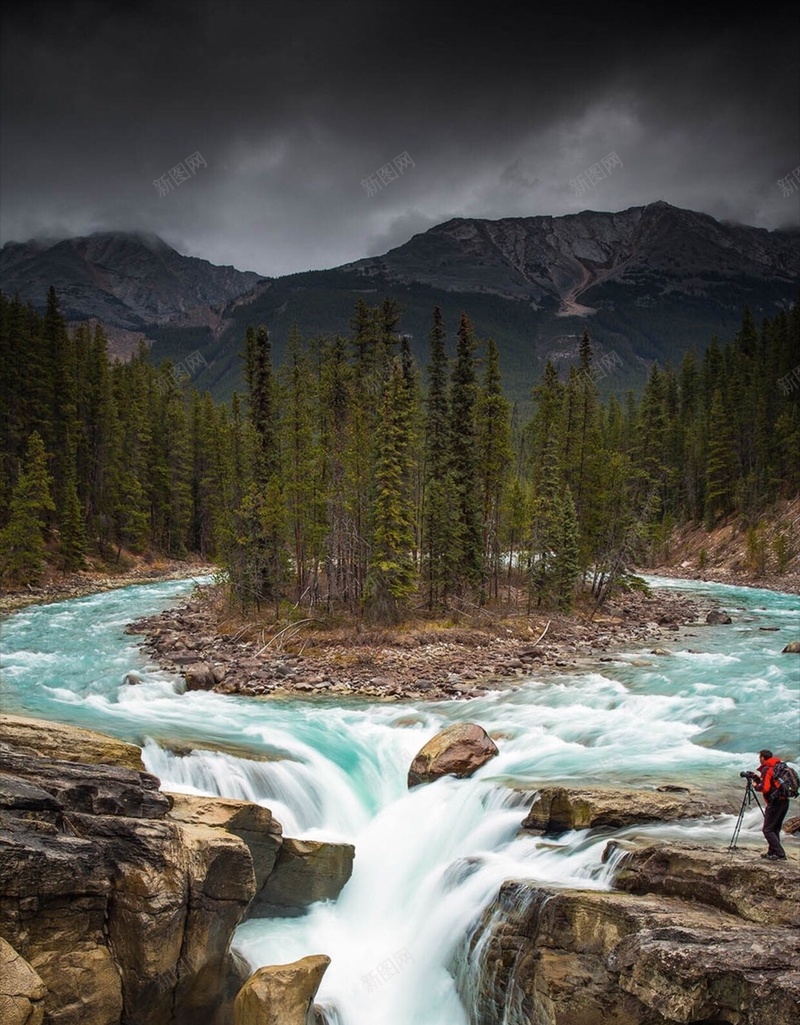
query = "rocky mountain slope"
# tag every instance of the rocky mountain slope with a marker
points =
(563, 262)
(130, 282)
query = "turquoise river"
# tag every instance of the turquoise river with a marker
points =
(427, 862)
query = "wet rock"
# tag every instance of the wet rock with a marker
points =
(792, 826)
(22, 991)
(717, 617)
(458, 750)
(281, 994)
(305, 871)
(132, 679)
(792, 648)
(558, 809)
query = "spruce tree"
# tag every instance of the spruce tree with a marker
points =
(392, 575)
(438, 489)
(494, 460)
(22, 546)
(466, 563)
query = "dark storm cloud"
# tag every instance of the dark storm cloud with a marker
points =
(292, 105)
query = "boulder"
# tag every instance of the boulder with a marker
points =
(792, 648)
(305, 871)
(457, 750)
(281, 994)
(67, 743)
(199, 676)
(717, 617)
(22, 992)
(558, 809)
(792, 826)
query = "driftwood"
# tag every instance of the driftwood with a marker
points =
(292, 626)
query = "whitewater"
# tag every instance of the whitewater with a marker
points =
(427, 861)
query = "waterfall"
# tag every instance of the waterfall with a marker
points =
(410, 936)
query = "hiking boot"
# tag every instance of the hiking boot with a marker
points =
(774, 857)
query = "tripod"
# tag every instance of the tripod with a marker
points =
(749, 796)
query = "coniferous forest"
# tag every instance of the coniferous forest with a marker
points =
(351, 477)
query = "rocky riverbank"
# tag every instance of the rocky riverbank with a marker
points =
(64, 586)
(427, 660)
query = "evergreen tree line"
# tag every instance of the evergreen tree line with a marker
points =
(348, 477)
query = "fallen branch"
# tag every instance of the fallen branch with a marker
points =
(541, 637)
(292, 626)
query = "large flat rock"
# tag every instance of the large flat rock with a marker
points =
(67, 743)
(738, 882)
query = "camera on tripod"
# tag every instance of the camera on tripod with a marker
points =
(749, 775)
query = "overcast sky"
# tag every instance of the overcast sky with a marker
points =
(293, 105)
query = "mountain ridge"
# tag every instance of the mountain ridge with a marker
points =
(648, 282)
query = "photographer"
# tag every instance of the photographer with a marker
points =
(777, 805)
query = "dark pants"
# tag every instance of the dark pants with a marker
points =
(774, 814)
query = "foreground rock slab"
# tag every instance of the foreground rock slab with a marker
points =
(559, 809)
(458, 750)
(22, 992)
(577, 957)
(739, 883)
(281, 994)
(122, 913)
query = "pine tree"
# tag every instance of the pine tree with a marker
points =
(438, 488)
(494, 460)
(72, 529)
(302, 457)
(467, 568)
(720, 468)
(22, 546)
(261, 397)
(567, 567)
(391, 567)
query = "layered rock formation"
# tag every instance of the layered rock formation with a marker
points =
(118, 902)
(697, 935)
